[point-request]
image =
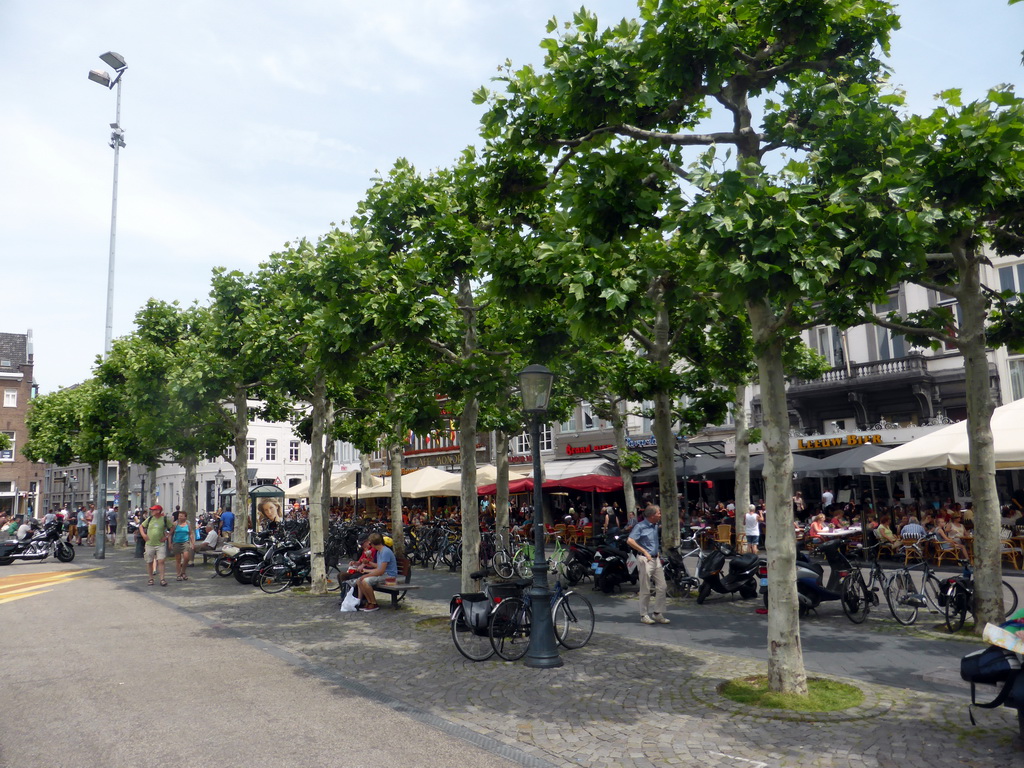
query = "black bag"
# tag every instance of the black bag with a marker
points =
(989, 665)
(994, 665)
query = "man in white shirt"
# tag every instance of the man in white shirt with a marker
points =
(210, 542)
(827, 498)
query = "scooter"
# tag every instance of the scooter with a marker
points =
(38, 546)
(742, 576)
(810, 589)
(612, 565)
(578, 564)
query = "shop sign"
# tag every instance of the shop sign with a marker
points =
(576, 450)
(647, 442)
(846, 441)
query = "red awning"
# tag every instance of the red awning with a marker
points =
(524, 485)
(595, 483)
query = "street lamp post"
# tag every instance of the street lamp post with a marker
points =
(684, 444)
(219, 480)
(535, 387)
(142, 493)
(116, 62)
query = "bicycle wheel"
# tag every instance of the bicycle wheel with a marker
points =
(898, 595)
(523, 564)
(934, 590)
(502, 564)
(574, 620)
(1009, 600)
(957, 601)
(275, 578)
(557, 560)
(473, 646)
(334, 578)
(509, 629)
(856, 601)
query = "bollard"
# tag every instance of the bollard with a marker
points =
(140, 546)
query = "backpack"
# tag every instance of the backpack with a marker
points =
(991, 666)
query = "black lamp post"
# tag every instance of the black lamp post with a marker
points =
(684, 445)
(219, 480)
(535, 387)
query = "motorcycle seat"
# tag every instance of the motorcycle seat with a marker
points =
(744, 562)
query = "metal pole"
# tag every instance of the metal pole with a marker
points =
(543, 650)
(116, 141)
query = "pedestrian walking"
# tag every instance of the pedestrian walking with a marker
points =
(155, 531)
(181, 544)
(644, 539)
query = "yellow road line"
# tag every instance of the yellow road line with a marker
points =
(19, 597)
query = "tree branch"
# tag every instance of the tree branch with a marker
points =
(913, 330)
(644, 342)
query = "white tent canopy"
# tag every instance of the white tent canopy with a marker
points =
(948, 447)
(340, 481)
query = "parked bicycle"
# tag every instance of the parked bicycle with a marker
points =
(960, 598)
(471, 612)
(906, 594)
(511, 620)
(860, 595)
(680, 582)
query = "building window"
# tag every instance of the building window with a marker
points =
(1012, 279)
(10, 398)
(251, 445)
(827, 342)
(570, 424)
(271, 450)
(521, 442)
(8, 454)
(1017, 379)
(891, 346)
(293, 450)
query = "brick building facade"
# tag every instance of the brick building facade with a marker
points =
(20, 479)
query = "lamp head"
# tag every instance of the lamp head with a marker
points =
(114, 60)
(99, 76)
(535, 388)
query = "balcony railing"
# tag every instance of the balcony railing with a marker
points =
(912, 364)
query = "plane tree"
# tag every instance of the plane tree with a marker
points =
(616, 118)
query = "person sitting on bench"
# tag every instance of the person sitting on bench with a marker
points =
(386, 568)
(210, 542)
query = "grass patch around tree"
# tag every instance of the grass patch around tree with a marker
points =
(823, 695)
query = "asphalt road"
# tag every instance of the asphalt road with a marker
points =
(97, 674)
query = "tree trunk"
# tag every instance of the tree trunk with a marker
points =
(124, 495)
(786, 672)
(318, 401)
(742, 466)
(973, 346)
(190, 489)
(241, 464)
(667, 486)
(468, 497)
(619, 430)
(501, 524)
(396, 451)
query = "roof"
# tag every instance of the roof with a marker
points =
(13, 352)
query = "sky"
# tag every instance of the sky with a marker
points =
(252, 124)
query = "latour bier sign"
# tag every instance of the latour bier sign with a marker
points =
(842, 441)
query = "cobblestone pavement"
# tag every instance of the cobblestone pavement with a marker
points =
(620, 701)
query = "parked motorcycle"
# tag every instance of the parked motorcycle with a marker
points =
(38, 546)
(742, 575)
(244, 562)
(578, 563)
(811, 590)
(611, 564)
(286, 563)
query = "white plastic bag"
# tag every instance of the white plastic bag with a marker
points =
(350, 603)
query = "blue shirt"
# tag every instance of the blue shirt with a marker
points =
(227, 521)
(387, 557)
(646, 535)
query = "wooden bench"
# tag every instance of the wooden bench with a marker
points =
(399, 589)
(206, 554)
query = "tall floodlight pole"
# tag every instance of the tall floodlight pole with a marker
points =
(535, 387)
(116, 62)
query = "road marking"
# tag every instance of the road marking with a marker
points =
(20, 586)
(21, 597)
